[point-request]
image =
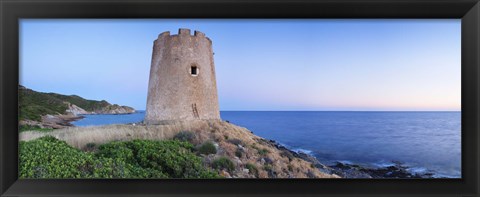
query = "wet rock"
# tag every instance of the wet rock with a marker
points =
(397, 170)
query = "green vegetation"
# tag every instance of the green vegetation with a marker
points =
(252, 169)
(33, 104)
(223, 163)
(268, 167)
(263, 151)
(90, 147)
(89, 105)
(207, 148)
(186, 136)
(48, 157)
(23, 128)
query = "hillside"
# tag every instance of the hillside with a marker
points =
(37, 107)
(226, 149)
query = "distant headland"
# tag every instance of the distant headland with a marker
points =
(54, 111)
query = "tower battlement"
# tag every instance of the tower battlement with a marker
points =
(182, 84)
(183, 32)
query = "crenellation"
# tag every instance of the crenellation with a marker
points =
(199, 34)
(184, 32)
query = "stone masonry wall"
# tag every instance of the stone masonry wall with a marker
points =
(173, 92)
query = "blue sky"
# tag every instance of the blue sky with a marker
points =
(322, 64)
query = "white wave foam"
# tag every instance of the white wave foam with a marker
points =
(301, 150)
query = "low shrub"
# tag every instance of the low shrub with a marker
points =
(207, 148)
(252, 169)
(173, 158)
(90, 146)
(48, 157)
(267, 167)
(263, 151)
(186, 136)
(223, 163)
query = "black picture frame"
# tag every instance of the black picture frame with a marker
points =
(466, 10)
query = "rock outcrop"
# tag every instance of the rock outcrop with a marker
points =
(115, 109)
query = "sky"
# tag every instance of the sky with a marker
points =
(261, 64)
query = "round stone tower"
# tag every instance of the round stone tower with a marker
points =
(182, 83)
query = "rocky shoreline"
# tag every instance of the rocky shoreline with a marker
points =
(65, 120)
(346, 170)
(243, 147)
(397, 170)
(52, 121)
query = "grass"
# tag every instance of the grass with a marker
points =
(23, 128)
(48, 157)
(79, 137)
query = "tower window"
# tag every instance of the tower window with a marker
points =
(194, 71)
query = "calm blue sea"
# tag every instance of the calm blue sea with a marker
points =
(425, 141)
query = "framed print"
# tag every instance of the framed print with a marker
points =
(321, 98)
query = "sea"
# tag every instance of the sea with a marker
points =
(423, 141)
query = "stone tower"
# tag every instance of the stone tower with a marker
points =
(182, 83)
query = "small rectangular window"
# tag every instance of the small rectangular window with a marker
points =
(194, 71)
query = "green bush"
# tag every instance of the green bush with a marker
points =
(263, 151)
(207, 148)
(252, 169)
(173, 158)
(49, 157)
(186, 136)
(90, 147)
(223, 163)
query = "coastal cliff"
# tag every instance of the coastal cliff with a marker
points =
(52, 110)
